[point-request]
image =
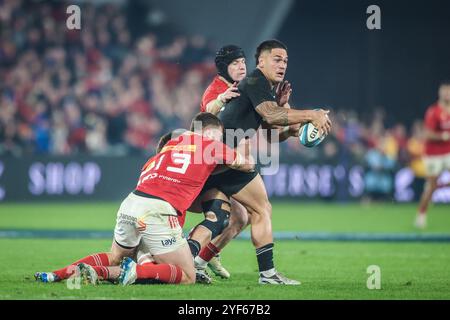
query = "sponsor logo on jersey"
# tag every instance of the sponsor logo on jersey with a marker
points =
(152, 176)
(126, 219)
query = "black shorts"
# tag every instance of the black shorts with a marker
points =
(229, 182)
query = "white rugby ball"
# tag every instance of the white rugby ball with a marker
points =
(309, 135)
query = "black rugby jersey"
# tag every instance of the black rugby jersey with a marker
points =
(239, 112)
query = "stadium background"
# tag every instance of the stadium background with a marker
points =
(80, 111)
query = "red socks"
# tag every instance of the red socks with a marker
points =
(208, 252)
(99, 259)
(102, 272)
(167, 273)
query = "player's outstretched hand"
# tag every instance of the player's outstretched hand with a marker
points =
(322, 121)
(230, 93)
(283, 92)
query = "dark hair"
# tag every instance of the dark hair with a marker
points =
(163, 141)
(268, 45)
(445, 83)
(206, 119)
(167, 137)
(226, 55)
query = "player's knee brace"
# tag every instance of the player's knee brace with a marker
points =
(221, 210)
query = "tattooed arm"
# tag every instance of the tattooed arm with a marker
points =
(274, 115)
(282, 132)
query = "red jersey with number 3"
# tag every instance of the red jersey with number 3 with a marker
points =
(217, 86)
(177, 174)
(437, 119)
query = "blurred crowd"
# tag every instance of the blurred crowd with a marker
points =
(379, 149)
(98, 90)
(103, 90)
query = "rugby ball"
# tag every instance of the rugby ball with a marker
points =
(309, 135)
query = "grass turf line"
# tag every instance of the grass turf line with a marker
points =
(385, 218)
(327, 271)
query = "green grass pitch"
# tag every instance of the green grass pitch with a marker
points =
(328, 270)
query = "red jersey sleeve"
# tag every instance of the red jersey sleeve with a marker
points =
(210, 94)
(217, 86)
(431, 119)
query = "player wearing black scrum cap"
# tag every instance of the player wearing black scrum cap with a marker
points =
(231, 68)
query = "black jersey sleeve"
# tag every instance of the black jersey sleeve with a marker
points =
(258, 90)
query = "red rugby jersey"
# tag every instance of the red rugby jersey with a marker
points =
(177, 174)
(437, 119)
(217, 86)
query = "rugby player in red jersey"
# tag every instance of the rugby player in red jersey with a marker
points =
(231, 68)
(150, 216)
(437, 148)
